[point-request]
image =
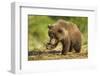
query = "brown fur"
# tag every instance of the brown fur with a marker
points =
(67, 33)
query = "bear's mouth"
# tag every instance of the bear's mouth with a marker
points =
(52, 44)
(53, 41)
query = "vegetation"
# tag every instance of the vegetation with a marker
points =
(38, 33)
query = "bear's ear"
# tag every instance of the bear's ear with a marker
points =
(50, 26)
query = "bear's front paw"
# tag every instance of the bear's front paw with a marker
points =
(50, 46)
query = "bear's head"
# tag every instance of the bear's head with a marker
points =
(56, 34)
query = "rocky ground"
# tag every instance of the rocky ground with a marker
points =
(54, 54)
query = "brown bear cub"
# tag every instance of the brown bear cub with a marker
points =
(67, 33)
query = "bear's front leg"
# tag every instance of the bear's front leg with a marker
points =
(66, 46)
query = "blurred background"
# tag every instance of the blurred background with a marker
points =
(38, 29)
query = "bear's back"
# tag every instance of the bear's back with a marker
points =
(72, 28)
(67, 25)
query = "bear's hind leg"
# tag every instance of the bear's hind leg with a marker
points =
(77, 48)
(71, 47)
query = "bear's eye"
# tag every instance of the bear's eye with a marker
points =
(60, 31)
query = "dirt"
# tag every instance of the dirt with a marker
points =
(53, 55)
